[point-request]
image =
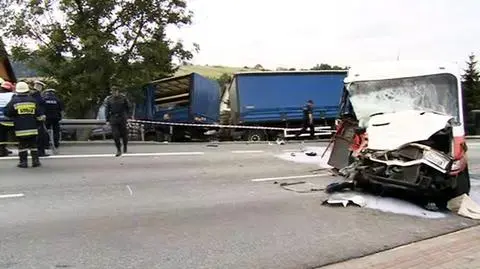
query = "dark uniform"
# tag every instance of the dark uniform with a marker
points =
(117, 111)
(53, 114)
(26, 115)
(42, 137)
(307, 123)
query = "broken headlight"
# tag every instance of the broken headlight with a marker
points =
(437, 158)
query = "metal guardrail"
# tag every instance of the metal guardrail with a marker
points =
(81, 123)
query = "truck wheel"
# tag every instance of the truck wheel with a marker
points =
(255, 136)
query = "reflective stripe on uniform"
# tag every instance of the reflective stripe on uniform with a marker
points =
(26, 132)
(6, 123)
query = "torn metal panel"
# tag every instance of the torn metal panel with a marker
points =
(392, 130)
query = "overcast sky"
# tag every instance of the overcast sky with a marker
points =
(301, 33)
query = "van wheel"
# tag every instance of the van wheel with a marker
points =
(255, 136)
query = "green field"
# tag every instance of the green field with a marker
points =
(210, 71)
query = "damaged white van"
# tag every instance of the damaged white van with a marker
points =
(402, 127)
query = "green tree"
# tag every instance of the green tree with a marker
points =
(471, 85)
(86, 46)
(224, 80)
(327, 67)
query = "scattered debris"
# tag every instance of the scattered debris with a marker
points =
(301, 186)
(305, 158)
(346, 199)
(212, 145)
(339, 186)
(291, 183)
(384, 204)
(464, 206)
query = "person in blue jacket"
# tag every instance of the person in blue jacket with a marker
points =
(53, 111)
(307, 120)
(42, 137)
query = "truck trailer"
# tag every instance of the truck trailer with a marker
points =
(276, 99)
(189, 98)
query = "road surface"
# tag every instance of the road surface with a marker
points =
(188, 206)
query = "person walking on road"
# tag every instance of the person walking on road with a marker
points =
(307, 120)
(6, 124)
(42, 137)
(117, 111)
(26, 115)
(53, 113)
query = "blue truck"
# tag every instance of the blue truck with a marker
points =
(275, 99)
(189, 98)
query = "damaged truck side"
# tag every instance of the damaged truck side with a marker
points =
(402, 128)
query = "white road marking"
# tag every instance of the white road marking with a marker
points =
(292, 150)
(247, 151)
(12, 195)
(290, 177)
(112, 155)
(130, 190)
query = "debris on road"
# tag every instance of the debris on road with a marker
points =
(310, 157)
(346, 199)
(464, 206)
(383, 204)
(302, 186)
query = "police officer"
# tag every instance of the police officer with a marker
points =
(25, 113)
(307, 120)
(6, 124)
(117, 111)
(42, 137)
(53, 113)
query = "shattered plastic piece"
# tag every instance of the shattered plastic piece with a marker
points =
(345, 199)
(464, 206)
(339, 186)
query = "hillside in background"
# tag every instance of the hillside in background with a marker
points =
(22, 71)
(211, 71)
(215, 71)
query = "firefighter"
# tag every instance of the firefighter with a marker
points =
(307, 120)
(6, 124)
(26, 114)
(117, 111)
(42, 137)
(53, 113)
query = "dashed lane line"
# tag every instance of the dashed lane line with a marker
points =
(16, 195)
(247, 151)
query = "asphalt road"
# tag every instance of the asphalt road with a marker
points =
(187, 206)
